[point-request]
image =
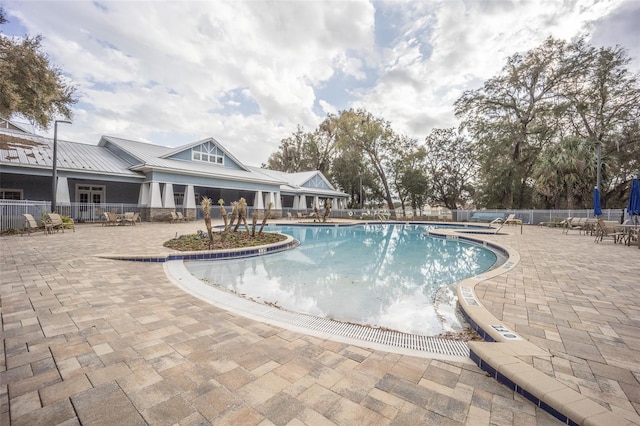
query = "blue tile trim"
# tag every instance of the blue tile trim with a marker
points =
(555, 413)
(211, 255)
(485, 336)
(500, 378)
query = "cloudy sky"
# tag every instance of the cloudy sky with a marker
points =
(249, 72)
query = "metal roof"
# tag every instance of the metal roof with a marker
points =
(21, 149)
(295, 181)
(151, 157)
(122, 157)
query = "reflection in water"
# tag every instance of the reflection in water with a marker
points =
(380, 275)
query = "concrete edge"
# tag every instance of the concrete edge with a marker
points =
(498, 354)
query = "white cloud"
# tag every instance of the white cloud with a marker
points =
(249, 72)
(468, 42)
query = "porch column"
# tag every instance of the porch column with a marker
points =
(258, 203)
(277, 201)
(268, 198)
(334, 204)
(168, 201)
(155, 200)
(144, 195)
(189, 198)
(302, 205)
(296, 202)
(316, 202)
(62, 191)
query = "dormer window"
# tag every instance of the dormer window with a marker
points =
(207, 153)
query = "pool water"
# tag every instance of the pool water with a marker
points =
(383, 275)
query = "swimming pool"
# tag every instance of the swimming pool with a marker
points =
(383, 275)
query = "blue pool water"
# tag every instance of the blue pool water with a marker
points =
(383, 275)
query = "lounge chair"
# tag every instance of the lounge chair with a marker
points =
(573, 223)
(381, 215)
(174, 217)
(180, 217)
(55, 222)
(289, 216)
(511, 220)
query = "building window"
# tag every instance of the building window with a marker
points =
(207, 153)
(10, 194)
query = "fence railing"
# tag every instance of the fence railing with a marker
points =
(11, 213)
(535, 217)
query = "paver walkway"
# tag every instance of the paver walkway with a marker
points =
(91, 341)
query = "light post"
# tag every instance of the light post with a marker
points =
(54, 183)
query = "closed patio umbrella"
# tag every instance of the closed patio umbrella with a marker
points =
(634, 199)
(597, 208)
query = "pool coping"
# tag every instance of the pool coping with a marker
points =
(500, 354)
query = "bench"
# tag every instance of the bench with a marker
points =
(486, 217)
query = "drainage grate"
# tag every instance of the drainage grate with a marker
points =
(397, 339)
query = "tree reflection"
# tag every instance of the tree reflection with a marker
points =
(382, 275)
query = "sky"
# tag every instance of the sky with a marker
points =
(248, 73)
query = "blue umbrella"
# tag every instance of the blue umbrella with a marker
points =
(597, 208)
(634, 200)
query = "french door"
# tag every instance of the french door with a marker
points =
(87, 195)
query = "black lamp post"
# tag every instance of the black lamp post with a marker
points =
(54, 184)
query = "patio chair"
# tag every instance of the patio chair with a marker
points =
(180, 217)
(129, 218)
(589, 226)
(174, 217)
(606, 229)
(30, 224)
(110, 219)
(56, 223)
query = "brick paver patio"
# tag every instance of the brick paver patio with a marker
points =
(91, 341)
